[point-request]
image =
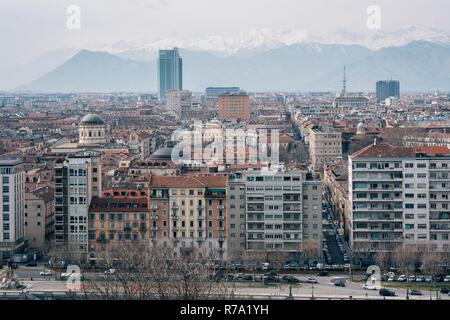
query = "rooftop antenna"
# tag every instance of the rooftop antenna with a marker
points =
(344, 85)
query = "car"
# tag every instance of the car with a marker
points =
(444, 290)
(415, 292)
(31, 264)
(369, 287)
(420, 279)
(390, 274)
(386, 292)
(219, 275)
(323, 273)
(339, 284)
(439, 278)
(47, 273)
(402, 278)
(248, 277)
(311, 280)
(412, 279)
(365, 277)
(14, 266)
(346, 259)
(230, 277)
(447, 279)
(240, 276)
(428, 279)
(391, 279)
(110, 271)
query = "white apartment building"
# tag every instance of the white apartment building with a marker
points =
(12, 201)
(283, 211)
(399, 195)
(178, 102)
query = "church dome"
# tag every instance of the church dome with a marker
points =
(361, 128)
(92, 119)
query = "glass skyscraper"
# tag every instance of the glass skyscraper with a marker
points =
(170, 72)
(388, 88)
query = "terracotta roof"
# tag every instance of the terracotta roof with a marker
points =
(119, 205)
(383, 150)
(433, 151)
(191, 181)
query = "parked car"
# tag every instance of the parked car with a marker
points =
(339, 284)
(47, 273)
(428, 279)
(444, 290)
(265, 266)
(323, 273)
(365, 277)
(412, 279)
(240, 276)
(391, 279)
(31, 264)
(311, 280)
(110, 271)
(439, 278)
(369, 287)
(447, 279)
(386, 292)
(415, 292)
(230, 277)
(420, 279)
(248, 277)
(402, 278)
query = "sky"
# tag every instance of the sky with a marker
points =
(29, 28)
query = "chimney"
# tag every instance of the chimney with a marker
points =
(375, 141)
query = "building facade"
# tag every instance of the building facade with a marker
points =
(324, 147)
(77, 180)
(399, 195)
(12, 231)
(388, 88)
(179, 102)
(234, 106)
(39, 218)
(170, 72)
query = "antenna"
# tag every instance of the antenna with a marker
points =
(344, 85)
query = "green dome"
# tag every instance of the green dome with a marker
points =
(92, 119)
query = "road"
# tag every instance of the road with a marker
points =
(324, 289)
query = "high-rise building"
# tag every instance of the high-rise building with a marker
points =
(399, 195)
(283, 213)
(179, 102)
(387, 89)
(234, 106)
(324, 147)
(170, 72)
(77, 180)
(12, 201)
(217, 91)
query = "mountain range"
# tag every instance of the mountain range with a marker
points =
(419, 65)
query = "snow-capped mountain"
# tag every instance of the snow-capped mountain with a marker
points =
(258, 40)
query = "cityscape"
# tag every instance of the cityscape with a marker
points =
(209, 186)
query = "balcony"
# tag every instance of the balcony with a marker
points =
(200, 228)
(202, 217)
(175, 229)
(175, 206)
(154, 217)
(221, 228)
(153, 228)
(200, 207)
(154, 206)
(220, 207)
(174, 217)
(220, 217)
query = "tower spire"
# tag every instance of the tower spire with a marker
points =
(344, 85)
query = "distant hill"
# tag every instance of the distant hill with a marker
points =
(419, 65)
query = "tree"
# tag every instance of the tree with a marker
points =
(383, 260)
(404, 258)
(430, 260)
(309, 251)
(143, 272)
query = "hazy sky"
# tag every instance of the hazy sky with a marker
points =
(30, 27)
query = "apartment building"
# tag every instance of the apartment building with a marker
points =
(189, 212)
(77, 180)
(117, 219)
(399, 195)
(325, 146)
(236, 226)
(234, 106)
(39, 217)
(283, 212)
(179, 102)
(12, 200)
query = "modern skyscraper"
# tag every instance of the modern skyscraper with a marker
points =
(170, 72)
(12, 201)
(388, 88)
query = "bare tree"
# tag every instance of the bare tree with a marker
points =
(383, 260)
(309, 251)
(144, 272)
(430, 260)
(404, 257)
